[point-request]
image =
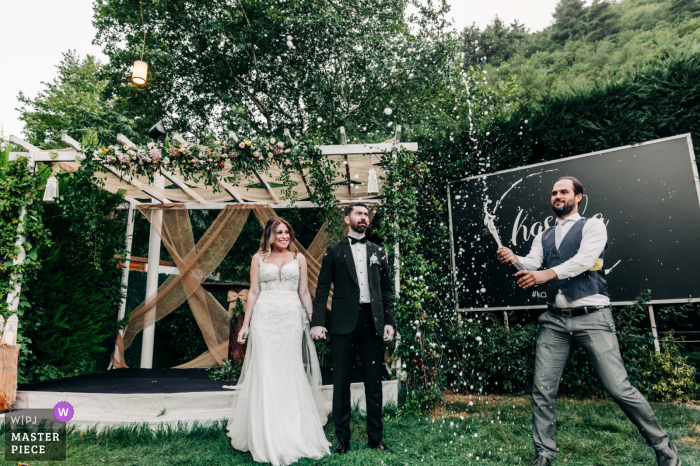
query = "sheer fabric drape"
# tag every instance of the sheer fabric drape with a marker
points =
(195, 262)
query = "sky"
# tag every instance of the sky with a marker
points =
(35, 33)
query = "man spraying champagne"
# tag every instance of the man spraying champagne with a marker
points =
(578, 314)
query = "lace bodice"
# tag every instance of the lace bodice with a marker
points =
(274, 278)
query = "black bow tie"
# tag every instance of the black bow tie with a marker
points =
(354, 240)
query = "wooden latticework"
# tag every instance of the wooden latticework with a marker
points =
(354, 164)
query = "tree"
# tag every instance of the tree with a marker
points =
(601, 20)
(73, 104)
(496, 44)
(566, 18)
(684, 8)
(264, 64)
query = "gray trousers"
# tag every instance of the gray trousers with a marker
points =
(595, 333)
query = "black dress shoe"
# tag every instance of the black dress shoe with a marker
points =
(379, 446)
(668, 456)
(541, 461)
(341, 448)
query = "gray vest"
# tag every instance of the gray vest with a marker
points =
(586, 284)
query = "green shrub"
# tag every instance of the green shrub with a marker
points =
(667, 376)
(493, 359)
(229, 371)
(77, 292)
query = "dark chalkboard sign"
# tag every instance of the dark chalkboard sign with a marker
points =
(647, 194)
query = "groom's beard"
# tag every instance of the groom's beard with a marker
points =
(359, 228)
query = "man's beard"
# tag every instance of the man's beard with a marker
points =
(565, 209)
(360, 228)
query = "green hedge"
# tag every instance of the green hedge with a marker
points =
(659, 101)
(495, 359)
(76, 294)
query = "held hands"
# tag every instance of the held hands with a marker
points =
(243, 335)
(388, 332)
(318, 332)
(530, 278)
(505, 255)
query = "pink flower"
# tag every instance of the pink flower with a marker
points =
(256, 154)
(287, 151)
(155, 154)
(241, 145)
(123, 158)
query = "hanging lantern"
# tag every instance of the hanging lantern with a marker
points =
(51, 191)
(139, 73)
(372, 184)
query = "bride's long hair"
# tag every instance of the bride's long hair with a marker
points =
(268, 237)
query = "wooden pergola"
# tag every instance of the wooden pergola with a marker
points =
(357, 162)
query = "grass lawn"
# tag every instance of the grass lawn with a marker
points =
(489, 431)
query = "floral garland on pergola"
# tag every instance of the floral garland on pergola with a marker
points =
(196, 161)
(209, 162)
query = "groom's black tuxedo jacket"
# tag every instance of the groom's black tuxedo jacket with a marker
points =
(338, 268)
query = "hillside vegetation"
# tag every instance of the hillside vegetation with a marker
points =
(605, 39)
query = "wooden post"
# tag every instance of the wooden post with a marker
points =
(505, 319)
(653, 329)
(397, 265)
(125, 267)
(152, 277)
(344, 142)
(16, 281)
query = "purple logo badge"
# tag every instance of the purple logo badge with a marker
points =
(63, 411)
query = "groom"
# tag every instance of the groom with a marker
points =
(362, 307)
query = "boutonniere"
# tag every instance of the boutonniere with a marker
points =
(373, 260)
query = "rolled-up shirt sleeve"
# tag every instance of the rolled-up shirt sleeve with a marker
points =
(533, 260)
(595, 236)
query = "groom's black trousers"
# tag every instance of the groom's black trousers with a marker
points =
(371, 348)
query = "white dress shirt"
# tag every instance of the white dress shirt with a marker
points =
(593, 241)
(359, 255)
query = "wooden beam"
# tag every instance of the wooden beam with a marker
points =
(125, 140)
(343, 137)
(72, 142)
(114, 191)
(24, 145)
(267, 186)
(288, 135)
(344, 142)
(397, 134)
(229, 189)
(280, 205)
(137, 184)
(360, 149)
(181, 184)
(49, 156)
(180, 140)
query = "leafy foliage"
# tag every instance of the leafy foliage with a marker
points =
(19, 188)
(74, 104)
(77, 292)
(229, 371)
(422, 340)
(661, 100)
(668, 376)
(266, 65)
(604, 39)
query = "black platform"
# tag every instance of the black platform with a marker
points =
(151, 381)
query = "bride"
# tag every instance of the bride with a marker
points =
(280, 411)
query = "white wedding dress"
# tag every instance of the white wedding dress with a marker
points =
(280, 412)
